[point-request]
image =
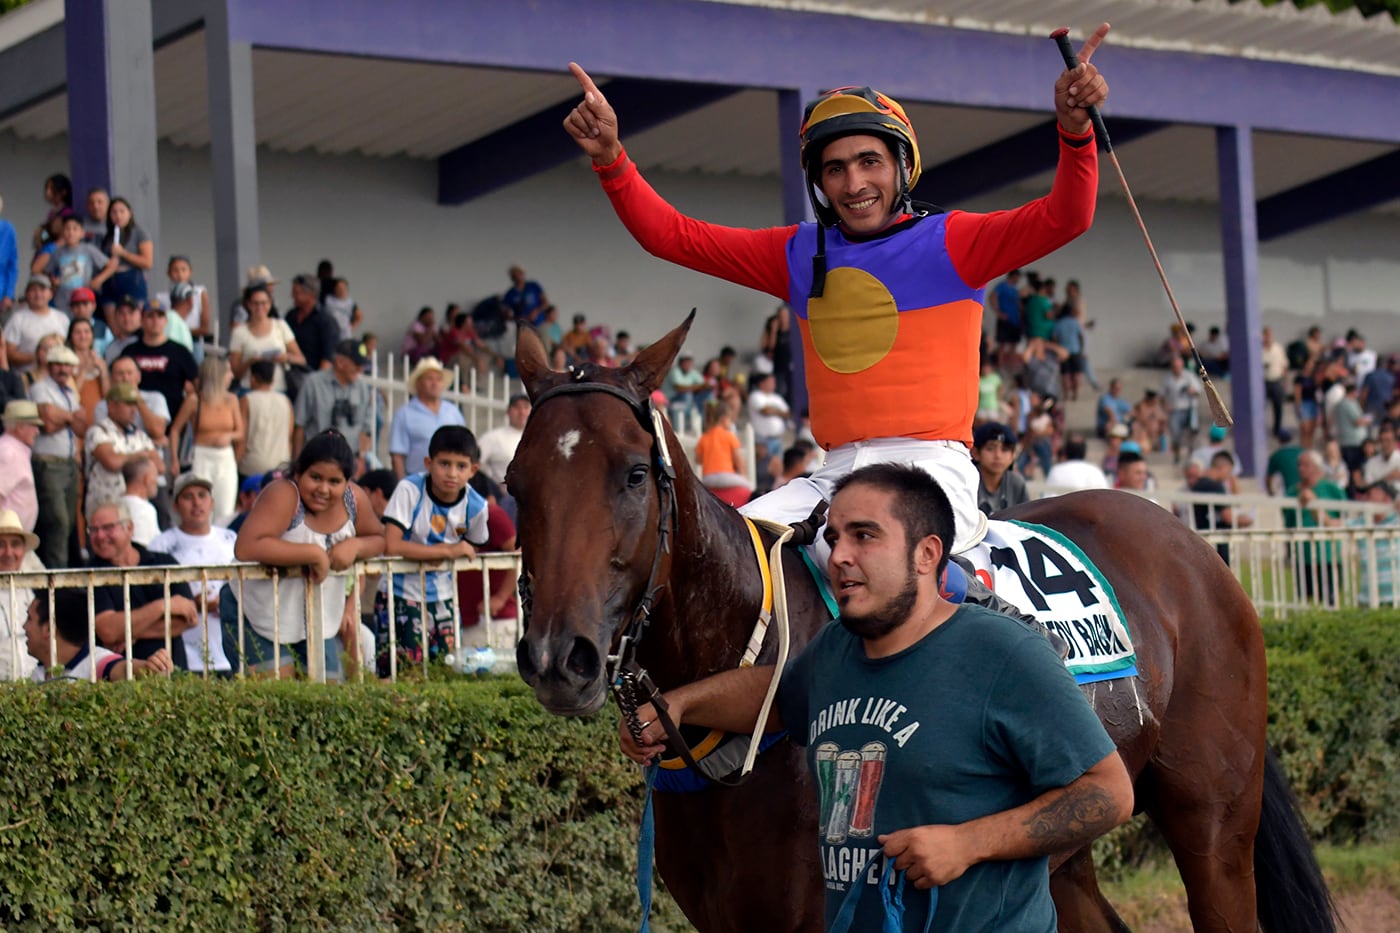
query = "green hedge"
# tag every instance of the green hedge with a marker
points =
(1334, 716)
(284, 806)
(463, 805)
(1334, 719)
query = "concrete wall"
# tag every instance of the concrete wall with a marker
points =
(377, 219)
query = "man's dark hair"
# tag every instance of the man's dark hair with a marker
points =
(382, 480)
(793, 458)
(453, 439)
(920, 504)
(71, 614)
(1129, 457)
(1075, 447)
(263, 372)
(1222, 456)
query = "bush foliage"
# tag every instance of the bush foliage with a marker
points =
(286, 806)
(1334, 717)
(463, 805)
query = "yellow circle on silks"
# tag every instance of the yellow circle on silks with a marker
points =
(855, 322)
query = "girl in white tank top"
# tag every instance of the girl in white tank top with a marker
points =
(318, 520)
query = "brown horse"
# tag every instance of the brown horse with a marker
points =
(607, 537)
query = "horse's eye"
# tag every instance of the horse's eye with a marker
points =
(636, 476)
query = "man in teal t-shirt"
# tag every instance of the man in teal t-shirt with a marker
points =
(946, 738)
(1316, 564)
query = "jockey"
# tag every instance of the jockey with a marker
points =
(887, 293)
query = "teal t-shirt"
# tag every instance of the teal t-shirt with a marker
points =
(978, 717)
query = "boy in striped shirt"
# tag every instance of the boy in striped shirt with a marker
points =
(432, 516)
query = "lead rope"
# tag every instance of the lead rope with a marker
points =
(646, 851)
(891, 899)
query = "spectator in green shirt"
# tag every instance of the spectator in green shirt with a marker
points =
(1314, 565)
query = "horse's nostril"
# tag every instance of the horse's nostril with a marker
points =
(583, 661)
(526, 662)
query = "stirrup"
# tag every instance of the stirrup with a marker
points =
(980, 594)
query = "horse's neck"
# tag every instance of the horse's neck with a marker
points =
(715, 592)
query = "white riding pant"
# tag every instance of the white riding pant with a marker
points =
(949, 462)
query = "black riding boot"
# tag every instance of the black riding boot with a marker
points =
(979, 594)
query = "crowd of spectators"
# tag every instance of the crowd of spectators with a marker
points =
(132, 437)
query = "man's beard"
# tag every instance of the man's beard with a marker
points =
(886, 618)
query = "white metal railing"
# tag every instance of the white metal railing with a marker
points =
(483, 403)
(1295, 569)
(14, 587)
(1350, 561)
(1264, 511)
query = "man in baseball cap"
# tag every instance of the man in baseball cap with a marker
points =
(82, 304)
(33, 322)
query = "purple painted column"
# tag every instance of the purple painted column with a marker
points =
(110, 53)
(797, 208)
(1240, 246)
(89, 116)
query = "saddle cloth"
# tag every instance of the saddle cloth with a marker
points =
(1045, 574)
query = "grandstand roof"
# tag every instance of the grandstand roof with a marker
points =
(340, 104)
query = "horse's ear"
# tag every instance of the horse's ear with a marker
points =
(529, 358)
(653, 364)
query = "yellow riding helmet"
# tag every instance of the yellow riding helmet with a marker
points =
(852, 111)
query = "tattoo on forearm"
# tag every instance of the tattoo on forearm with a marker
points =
(1072, 818)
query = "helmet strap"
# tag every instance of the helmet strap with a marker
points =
(819, 264)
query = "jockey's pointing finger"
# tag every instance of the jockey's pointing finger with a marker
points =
(1091, 44)
(584, 81)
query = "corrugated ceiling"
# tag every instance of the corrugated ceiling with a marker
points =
(341, 105)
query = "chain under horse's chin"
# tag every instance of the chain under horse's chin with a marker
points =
(567, 665)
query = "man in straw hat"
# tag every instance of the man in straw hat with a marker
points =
(15, 542)
(22, 423)
(57, 450)
(425, 412)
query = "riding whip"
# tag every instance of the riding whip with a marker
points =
(1218, 411)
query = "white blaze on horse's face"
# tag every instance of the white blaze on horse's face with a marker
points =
(567, 442)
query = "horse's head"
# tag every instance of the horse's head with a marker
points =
(590, 479)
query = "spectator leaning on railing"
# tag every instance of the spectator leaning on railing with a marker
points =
(432, 515)
(319, 520)
(197, 542)
(70, 636)
(109, 536)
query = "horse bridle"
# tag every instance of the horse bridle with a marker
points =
(629, 683)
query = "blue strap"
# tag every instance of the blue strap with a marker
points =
(646, 851)
(891, 896)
